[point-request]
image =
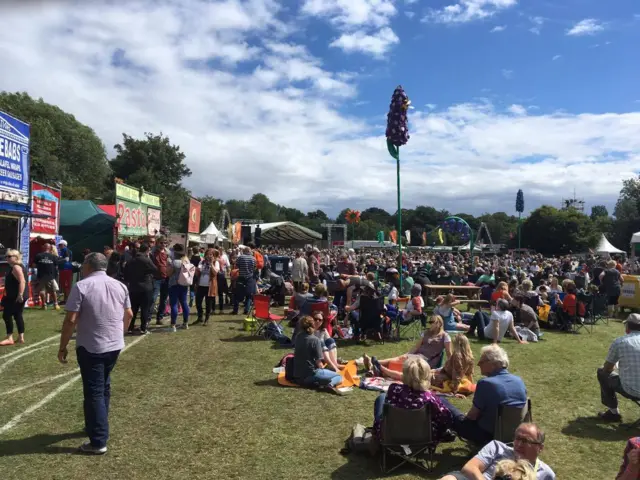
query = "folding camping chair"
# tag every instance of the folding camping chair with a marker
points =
(508, 419)
(585, 322)
(407, 435)
(411, 327)
(323, 307)
(261, 313)
(371, 316)
(600, 310)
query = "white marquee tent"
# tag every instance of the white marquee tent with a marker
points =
(286, 232)
(605, 247)
(211, 234)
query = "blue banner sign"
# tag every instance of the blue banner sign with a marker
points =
(14, 160)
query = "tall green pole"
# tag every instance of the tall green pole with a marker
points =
(399, 236)
(352, 234)
(519, 230)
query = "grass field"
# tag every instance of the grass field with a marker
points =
(203, 403)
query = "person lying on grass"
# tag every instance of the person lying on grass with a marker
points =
(459, 366)
(413, 393)
(430, 347)
(308, 359)
(501, 320)
(452, 316)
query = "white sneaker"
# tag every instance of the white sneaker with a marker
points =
(173, 329)
(89, 449)
(185, 326)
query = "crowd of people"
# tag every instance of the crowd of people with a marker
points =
(117, 286)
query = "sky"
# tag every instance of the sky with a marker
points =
(290, 98)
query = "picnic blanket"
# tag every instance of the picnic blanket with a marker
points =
(466, 387)
(349, 377)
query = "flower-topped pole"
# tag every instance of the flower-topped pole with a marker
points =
(352, 217)
(397, 135)
(519, 209)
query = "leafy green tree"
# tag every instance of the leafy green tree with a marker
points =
(551, 231)
(599, 211)
(158, 166)
(63, 150)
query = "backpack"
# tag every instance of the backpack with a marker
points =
(186, 274)
(362, 440)
(259, 260)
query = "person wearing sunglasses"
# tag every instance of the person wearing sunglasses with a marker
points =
(527, 446)
(15, 296)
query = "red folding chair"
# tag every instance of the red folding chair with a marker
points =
(323, 307)
(261, 313)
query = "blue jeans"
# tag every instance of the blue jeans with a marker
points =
(466, 428)
(95, 369)
(378, 406)
(323, 377)
(161, 289)
(245, 288)
(178, 294)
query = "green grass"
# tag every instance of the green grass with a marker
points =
(204, 404)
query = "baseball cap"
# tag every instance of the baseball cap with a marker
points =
(633, 318)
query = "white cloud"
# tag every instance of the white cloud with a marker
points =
(588, 26)
(431, 106)
(468, 10)
(506, 73)
(279, 127)
(377, 44)
(498, 28)
(556, 57)
(352, 13)
(537, 23)
(363, 23)
(517, 110)
(409, 14)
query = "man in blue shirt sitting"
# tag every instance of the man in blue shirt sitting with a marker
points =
(499, 387)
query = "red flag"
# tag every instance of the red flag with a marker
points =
(394, 236)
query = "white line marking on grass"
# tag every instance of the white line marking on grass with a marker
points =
(29, 347)
(39, 382)
(15, 420)
(18, 357)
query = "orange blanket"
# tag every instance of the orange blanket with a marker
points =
(348, 373)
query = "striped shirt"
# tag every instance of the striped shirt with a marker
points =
(246, 265)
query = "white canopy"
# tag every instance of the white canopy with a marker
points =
(635, 238)
(285, 232)
(211, 234)
(605, 247)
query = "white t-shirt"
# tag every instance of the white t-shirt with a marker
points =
(205, 278)
(504, 319)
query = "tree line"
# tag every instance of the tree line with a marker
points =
(66, 152)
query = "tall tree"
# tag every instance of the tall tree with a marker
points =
(154, 163)
(552, 231)
(62, 149)
(599, 211)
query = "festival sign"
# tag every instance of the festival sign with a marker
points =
(45, 205)
(138, 213)
(194, 216)
(14, 160)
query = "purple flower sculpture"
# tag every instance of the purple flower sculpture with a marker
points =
(397, 129)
